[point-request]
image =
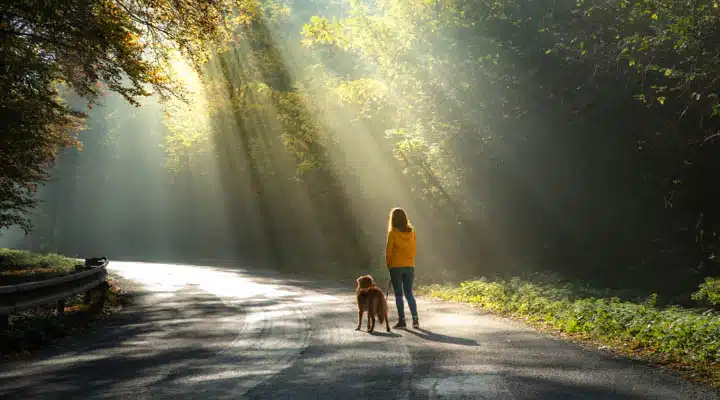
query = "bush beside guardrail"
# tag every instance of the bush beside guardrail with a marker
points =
(24, 296)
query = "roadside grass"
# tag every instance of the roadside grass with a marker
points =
(40, 327)
(683, 339)
(19, 266)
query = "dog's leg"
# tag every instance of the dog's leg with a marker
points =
(369, 315)
(360, 315)
(383, 312)
(373, 311)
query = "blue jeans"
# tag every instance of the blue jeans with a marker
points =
(402, 282)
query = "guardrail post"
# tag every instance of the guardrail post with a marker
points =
(103, 288)
(60, 307)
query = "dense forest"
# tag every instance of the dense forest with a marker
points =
(577, 137)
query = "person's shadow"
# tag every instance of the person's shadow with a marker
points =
(437, 337)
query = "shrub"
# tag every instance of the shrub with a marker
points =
(708, 292)
(673, 332)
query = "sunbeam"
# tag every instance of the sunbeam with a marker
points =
(242, 164)
(305, 122)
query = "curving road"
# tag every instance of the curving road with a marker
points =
(216, 333)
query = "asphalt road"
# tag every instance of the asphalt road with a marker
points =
(217, 333)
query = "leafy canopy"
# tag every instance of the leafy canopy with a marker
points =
(86, 47)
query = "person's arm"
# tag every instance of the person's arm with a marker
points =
(414, 244)
(389, 249)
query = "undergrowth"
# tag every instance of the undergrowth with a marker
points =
(38, 328)
(675, 336)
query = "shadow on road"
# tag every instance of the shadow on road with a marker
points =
(117, 359)
(184, 343)
(437, 337)
(386, 334)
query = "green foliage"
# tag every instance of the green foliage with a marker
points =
(497, 117)
(467, 93)
(189, 130)
(35, 124)
(708, 291)
(87, 48)
(665, 43)
(677, 333)
(402, 96)
(248, 85)
(261, 131)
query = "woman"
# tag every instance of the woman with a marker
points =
(400, 258)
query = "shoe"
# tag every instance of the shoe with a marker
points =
(400, 324)
(416, 323)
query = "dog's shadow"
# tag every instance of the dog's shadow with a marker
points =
(385, 334)
(437, 337)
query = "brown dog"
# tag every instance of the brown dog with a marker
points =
(370, 298)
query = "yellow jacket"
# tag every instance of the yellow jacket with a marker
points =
(400, 249)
